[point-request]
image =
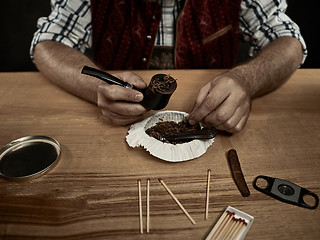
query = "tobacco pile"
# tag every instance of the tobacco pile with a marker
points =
(162, 84)
(162, 129)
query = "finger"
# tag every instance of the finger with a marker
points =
(203, 93)
(223, 113)
(133, 79)
(117, 93)
(121, 108)
(241, 124)
(236, 122)
(213, 100)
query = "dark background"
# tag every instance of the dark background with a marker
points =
(19, 20)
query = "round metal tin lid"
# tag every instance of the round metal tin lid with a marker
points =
(29, 157)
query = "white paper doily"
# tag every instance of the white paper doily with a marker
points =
(169, 152)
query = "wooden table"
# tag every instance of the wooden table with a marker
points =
(92, 193)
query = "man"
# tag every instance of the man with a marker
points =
(190, 34)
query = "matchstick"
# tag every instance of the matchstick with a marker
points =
(219, 225)
(239, 229)
(148, 205)
(233, 228)
(216, 226)
(225, 227)
(177, 201)
(235, 231)
(140, 206)
(208, 190)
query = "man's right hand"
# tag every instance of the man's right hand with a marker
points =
(121, 105)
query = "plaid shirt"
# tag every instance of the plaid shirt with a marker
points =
(260, 23)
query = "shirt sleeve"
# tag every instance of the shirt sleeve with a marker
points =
(69, 23)
(264, 21)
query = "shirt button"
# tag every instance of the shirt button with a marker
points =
(149, 37)
(154, 17)
(144, 59)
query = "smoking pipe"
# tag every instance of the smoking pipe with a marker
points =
(155, 98)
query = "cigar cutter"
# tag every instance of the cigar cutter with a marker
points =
(286, 191)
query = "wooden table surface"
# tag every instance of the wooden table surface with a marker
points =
(92, 193)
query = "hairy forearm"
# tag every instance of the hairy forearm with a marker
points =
(272, 67)
(62, 65)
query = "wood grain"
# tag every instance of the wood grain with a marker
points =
(92, 192)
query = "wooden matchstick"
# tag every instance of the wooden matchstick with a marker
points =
(239, 229)
(219, 225)
(223, 224)
(225, 227)
(234, 233)
(232, 228)
(235, 223)
(177, 201)
(140, 206)
(208, 191)
(148, 205)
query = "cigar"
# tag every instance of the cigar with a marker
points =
(237, 173)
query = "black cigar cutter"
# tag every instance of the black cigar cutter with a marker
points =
(286, 191)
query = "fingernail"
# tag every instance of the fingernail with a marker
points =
(138, 97)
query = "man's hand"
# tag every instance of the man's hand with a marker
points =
(224, 102)
(120, 105)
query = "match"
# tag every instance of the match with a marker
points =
(140, 206)
(148, 205)
(177, 201)
(208, 192)
(228, 227)
(219, 225)
(239, 229)
(225, 227)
